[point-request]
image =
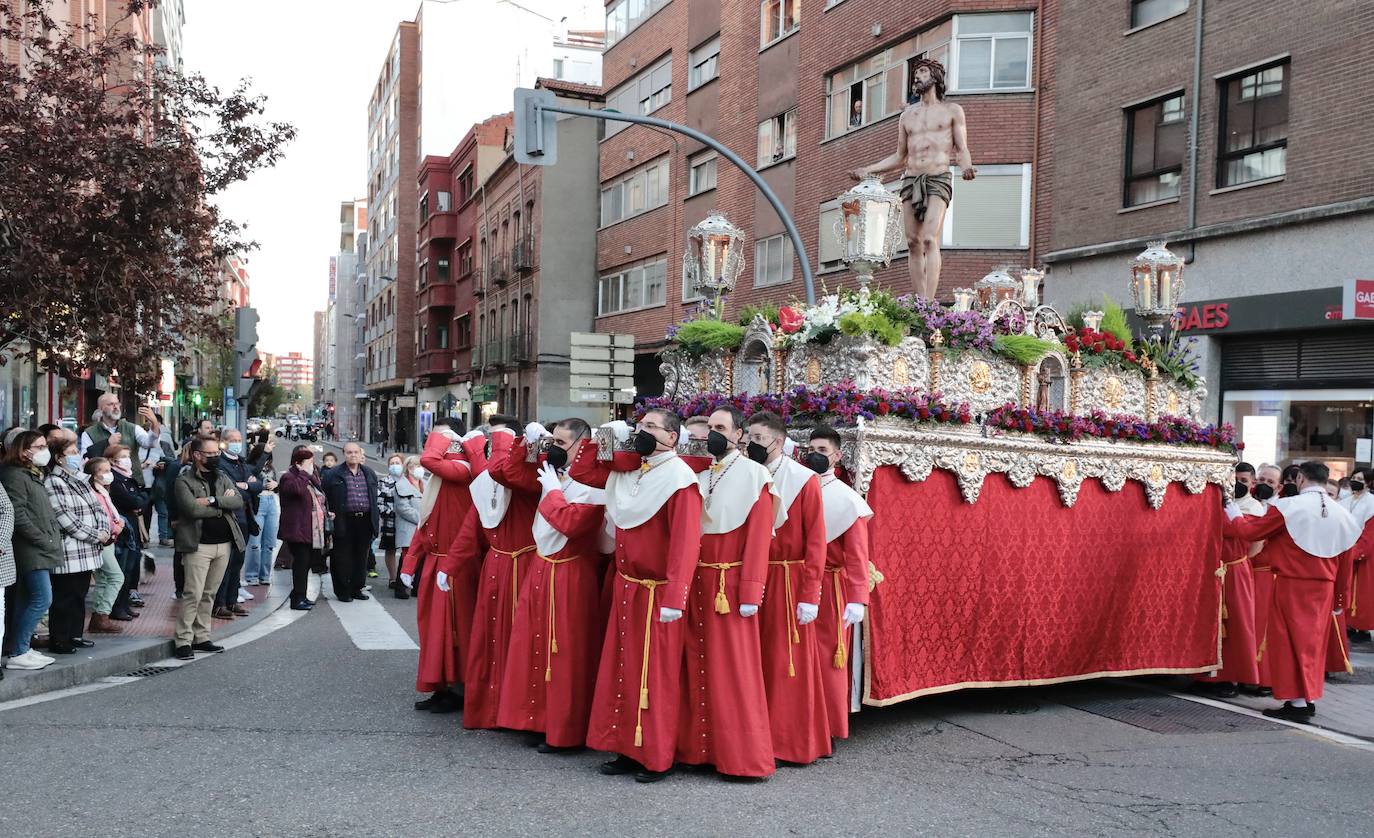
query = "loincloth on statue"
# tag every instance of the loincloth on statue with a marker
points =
(917, 190)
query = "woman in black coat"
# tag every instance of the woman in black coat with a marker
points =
(130, 501)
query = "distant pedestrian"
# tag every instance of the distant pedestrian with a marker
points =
(303, 514)
(401, 438)
(85, 532)
(234, 463)
(400, 491)
(109, 577)
(351, 490)
(130, 501)
(206, 531)
(37, 541)
(112, 429)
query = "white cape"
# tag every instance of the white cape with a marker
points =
(548, 539)
(843, 506)
(633, 497)
(1317, 524)
(737, 486)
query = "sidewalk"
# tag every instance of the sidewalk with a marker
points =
(144, 640)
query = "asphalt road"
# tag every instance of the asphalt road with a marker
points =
(303, 733)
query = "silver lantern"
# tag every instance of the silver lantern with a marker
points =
(714, 258)
(869, 228)
(1156, 286)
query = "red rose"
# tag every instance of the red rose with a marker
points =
(883, 408)
(790, 320)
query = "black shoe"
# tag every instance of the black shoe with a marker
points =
(82, 643)
(303, 605)
(362, 596)
(647, 776)
(61, 650)
(1289, 713)
(447, 703)
(546, 748)
(184, 653)
(122, 615)
(426, 703)
(206, 646)
(1361, 637)
(1251, 689)
(1225, 689)
(620, 765)
(343, 599)
(402, 592)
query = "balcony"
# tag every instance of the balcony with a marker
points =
(479, 282)
(522, 255)
(499, 272)
(437, 295)
(440, 226)
(519, 349)
(434, 362)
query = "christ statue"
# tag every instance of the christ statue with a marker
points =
(929, 133)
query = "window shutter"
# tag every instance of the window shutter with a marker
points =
(988, 211)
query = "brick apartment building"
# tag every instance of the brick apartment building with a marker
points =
(1236, 135)
(807, 90)
(450, 204)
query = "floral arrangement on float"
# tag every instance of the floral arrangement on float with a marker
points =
(1061, 427)
(841, 405)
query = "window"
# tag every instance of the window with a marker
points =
(1254, 126)
(702, 63)
(443, 335)
(465, 185)
(645, 93)
(463, 334)
(441, 272)
(703, 173)
(777, 19)
(558, 68)
(640, 286)
(445, 201)
(639, 191)
(772, 261)
(875, 88)
(1155, 141)
(465, 258)
(424, 206)
(991, 52)
(626, 15)
(1146, 12)
(777, 138)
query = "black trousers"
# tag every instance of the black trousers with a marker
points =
(302, 557)
(228, 595)
(67, 614)
(352, 544)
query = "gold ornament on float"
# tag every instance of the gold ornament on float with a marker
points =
(813, 371)
(901, 372)
(1112, 392)
(980, 377)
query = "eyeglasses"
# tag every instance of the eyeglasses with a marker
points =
(646, 426)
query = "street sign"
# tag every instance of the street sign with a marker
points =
(601, 367)
(535, 133)
(603, 396)
(594, 382)
(484, 393)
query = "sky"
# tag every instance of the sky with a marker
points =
(317, 62)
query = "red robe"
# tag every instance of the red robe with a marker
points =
(1361, 613)
(443, 618)
(1338, 644)
(551, 672)
(1306, 590)
(725, 718)
(508, 549)
(1264, 596)
(1238, 640)
(845, 581)
(639, 691)
(791, 665)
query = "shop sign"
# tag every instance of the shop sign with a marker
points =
(1206, 316)
(1358, 303)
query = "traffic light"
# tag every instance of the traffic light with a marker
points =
(246, 362)
(536, 129)
(195, 398)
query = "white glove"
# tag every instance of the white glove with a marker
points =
(1337, 612)
(535, 432)
(788, 447)
(441, 579)
(747, 610)
(619, 428)
(667, 615)
(407, 580)
(470, 435)
(1232, 511)
(853, 613)
(448, 432)
(548, 479)
(806, 613)
(503, 431)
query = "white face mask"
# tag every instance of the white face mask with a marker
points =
(42, 458)
(125, 463)
(107, 478)
(306, 466)
(418, 473)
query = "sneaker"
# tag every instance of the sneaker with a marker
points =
(245, 595)
(372, 574)
(368, 587)
(29, 660)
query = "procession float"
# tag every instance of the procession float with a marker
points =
(1046, 495)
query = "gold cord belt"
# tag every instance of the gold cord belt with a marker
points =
(792, 636)
(514, 574)
(722, 601)
(841, 654)
(652, 585)
(552, 648)
(1221, 575)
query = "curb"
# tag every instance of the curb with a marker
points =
(86, 671)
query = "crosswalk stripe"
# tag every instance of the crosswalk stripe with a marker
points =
(370, 626)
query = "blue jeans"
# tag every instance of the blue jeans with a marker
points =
(35, 595)
(257, 562)
(164, 524)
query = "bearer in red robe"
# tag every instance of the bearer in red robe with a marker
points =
(655, 503)
(725, 717)
(844, 587)
(1309, 537)
(796, 563)
(1269, 479)
(556, 638)
(502, 540)
(443, 616)
(1360, 504)
(1238, 641)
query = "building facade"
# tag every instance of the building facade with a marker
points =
(1233, 138)
(294, 371)
(809, 90)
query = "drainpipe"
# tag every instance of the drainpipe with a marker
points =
(1193, 126)
(1035, 129)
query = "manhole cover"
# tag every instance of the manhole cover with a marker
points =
(1166, 714)
(148, 671)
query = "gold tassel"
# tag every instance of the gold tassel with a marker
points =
(548, 674)
(639, 736)
(643, 700)
(839, 657)
(791, 670)
(722, 603)
(554, 646)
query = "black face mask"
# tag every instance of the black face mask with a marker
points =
(556, 457)
(645, 443)
(1357, 485)
(1263, 491)
(717, 444)
(212, 463)
(1289, 490)
(1241, 490)
(817, 462)
(757, 453)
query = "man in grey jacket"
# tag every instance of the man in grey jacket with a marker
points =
(206, 532)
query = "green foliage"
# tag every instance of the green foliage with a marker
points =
(268, 398)
(887, 305)
(699, 337)
(877, 324)
(1021, 349)
(768, 310)
(1114, 322)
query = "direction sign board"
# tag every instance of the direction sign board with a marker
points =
(601, 367)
